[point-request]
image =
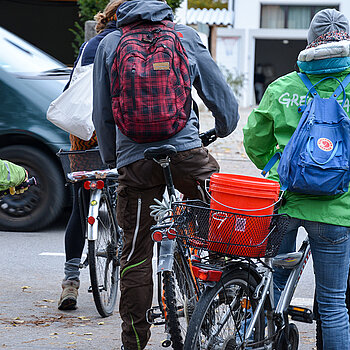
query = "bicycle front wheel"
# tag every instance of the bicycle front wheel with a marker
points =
(180, 297)
(223, 314)
(103, 258)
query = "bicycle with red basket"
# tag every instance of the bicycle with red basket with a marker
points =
(236, 309)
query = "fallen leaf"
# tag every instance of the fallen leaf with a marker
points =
(87, 333)
(83, 318)
(18, 321)
(72, 342)
(71, 332)
(100, 323)
(54, 333)
(49, 300)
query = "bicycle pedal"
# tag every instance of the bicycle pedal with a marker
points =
(90, 289)
(152, 316)
(300, 314)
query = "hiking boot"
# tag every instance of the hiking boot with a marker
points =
(69, 295)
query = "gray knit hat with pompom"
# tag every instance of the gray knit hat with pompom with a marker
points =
(328, 20)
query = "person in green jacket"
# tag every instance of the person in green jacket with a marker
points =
(11, 175)
(326, 218)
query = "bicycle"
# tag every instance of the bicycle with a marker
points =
(99, 222)
(236, 309)
(178, 286)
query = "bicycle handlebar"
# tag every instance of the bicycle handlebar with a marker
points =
(25, 184)
(208, 137)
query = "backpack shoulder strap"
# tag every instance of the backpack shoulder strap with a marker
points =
(277, 156)
(305, 79)
(341, 88)
(311, 90)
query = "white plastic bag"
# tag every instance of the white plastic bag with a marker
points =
(72, 110)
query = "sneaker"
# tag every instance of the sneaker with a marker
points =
(69, 295)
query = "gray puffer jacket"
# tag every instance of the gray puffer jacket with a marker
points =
(206, 77)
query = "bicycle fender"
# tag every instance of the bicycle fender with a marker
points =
(166, 255)
(92, 229)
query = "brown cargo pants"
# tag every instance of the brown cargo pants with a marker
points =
(139, 184)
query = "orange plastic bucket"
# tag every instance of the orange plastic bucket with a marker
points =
(251, 196)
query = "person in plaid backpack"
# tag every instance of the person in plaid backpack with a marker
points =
(147, 104)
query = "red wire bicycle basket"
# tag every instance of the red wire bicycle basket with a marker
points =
(193, 222)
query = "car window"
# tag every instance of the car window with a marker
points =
(18, 56)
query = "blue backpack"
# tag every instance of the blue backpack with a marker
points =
(316, 159)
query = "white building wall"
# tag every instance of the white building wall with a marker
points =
(247, 12)
(236, 47)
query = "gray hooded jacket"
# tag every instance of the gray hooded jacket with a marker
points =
(206, 77)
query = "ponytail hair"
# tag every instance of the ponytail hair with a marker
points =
(108, 14)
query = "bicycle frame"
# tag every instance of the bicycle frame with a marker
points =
(294, 277)
(265, 290)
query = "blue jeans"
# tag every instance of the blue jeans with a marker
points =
(330, 247)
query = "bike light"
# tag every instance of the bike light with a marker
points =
(171, 233)
(203, 274)
(91, 220)
(157, 236)
(100, 184)
(93, 185)
(87, 185)
(207, 275)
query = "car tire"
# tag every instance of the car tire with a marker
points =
(40, 205)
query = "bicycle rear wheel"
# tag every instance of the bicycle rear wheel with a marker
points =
(222, 315)
(103, 258)
(180, 296)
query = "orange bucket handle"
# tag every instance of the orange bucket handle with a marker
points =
(206, 187)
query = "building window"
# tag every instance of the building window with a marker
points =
(288, 16)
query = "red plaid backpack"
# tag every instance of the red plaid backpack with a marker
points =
(150, 82)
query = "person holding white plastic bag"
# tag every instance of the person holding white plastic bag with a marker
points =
(74, 236)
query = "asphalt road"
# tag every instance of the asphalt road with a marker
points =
(32, 269)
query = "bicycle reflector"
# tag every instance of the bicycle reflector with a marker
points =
(92, 185)
(157, 236)
(171, 233)
(91, 220)
(100, 184)
(207, 275)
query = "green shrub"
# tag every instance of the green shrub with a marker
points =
(209, 4)
(234, 79)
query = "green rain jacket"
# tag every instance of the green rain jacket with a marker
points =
(272, 123)
(11, 175)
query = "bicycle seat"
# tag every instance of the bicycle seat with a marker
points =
(160, 152)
